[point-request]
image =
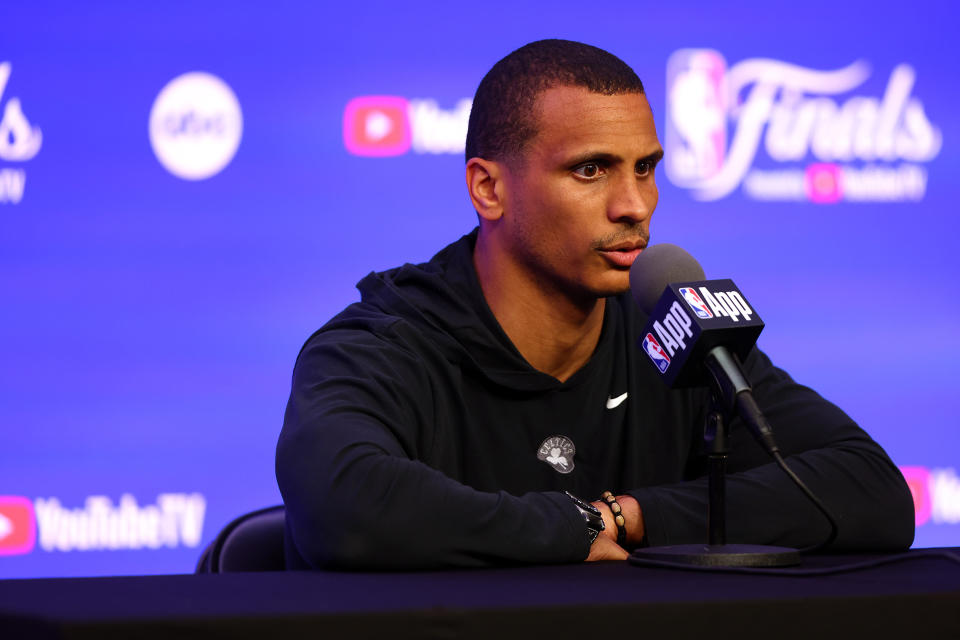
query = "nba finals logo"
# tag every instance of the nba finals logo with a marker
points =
(20, 141)
(824, 138)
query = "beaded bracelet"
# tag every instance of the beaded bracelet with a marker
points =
(618, 519)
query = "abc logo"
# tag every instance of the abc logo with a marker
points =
(195, 126)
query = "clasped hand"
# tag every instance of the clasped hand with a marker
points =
(605, 547)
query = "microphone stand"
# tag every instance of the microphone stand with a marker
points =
(717, 553)
(715, 444)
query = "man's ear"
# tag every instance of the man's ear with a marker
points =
(485, 183)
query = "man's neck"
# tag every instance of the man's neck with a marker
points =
(556, 334)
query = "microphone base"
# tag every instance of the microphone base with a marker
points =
(717, 555)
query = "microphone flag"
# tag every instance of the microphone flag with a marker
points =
(690, 319)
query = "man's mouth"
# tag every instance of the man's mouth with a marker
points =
(622, 254)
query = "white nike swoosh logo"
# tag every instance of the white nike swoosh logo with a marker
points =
(613, 403)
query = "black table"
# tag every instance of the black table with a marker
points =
(915, 599)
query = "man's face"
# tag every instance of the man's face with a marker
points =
(578, 203)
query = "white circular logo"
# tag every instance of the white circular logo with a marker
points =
(195, 125)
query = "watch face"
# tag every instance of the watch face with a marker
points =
(592, 535)
(591, 515)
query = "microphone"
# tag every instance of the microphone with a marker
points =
(698, 331)
(696, 334)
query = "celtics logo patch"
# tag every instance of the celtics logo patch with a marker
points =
(558, 452)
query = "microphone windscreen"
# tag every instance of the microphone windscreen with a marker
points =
(656, 267)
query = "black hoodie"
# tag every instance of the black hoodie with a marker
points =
(412, 435)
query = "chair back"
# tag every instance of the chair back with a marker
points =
(251, 542)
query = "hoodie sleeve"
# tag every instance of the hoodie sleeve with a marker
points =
(837, 460)
(357, 497)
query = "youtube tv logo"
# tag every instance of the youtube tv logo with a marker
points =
(918, 480)
(377, 126)
(823, 183)
(391, 126)
(18, 525)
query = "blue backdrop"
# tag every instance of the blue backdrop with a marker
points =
(188, 190)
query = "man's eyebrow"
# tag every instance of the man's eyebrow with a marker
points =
(654, 157)
(611, 158)
(594, 156)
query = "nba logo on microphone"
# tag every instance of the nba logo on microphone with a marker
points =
(377, 126)
(656, 353)
(696, 302)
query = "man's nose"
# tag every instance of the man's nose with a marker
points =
(633, 199)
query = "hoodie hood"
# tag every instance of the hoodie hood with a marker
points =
(443, 300)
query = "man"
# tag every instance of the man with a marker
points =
(440, 421)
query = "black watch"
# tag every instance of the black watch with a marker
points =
(591, 516)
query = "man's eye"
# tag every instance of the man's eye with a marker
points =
(643, 168)
(589, 170)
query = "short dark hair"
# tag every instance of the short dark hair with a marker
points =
(502, 119)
